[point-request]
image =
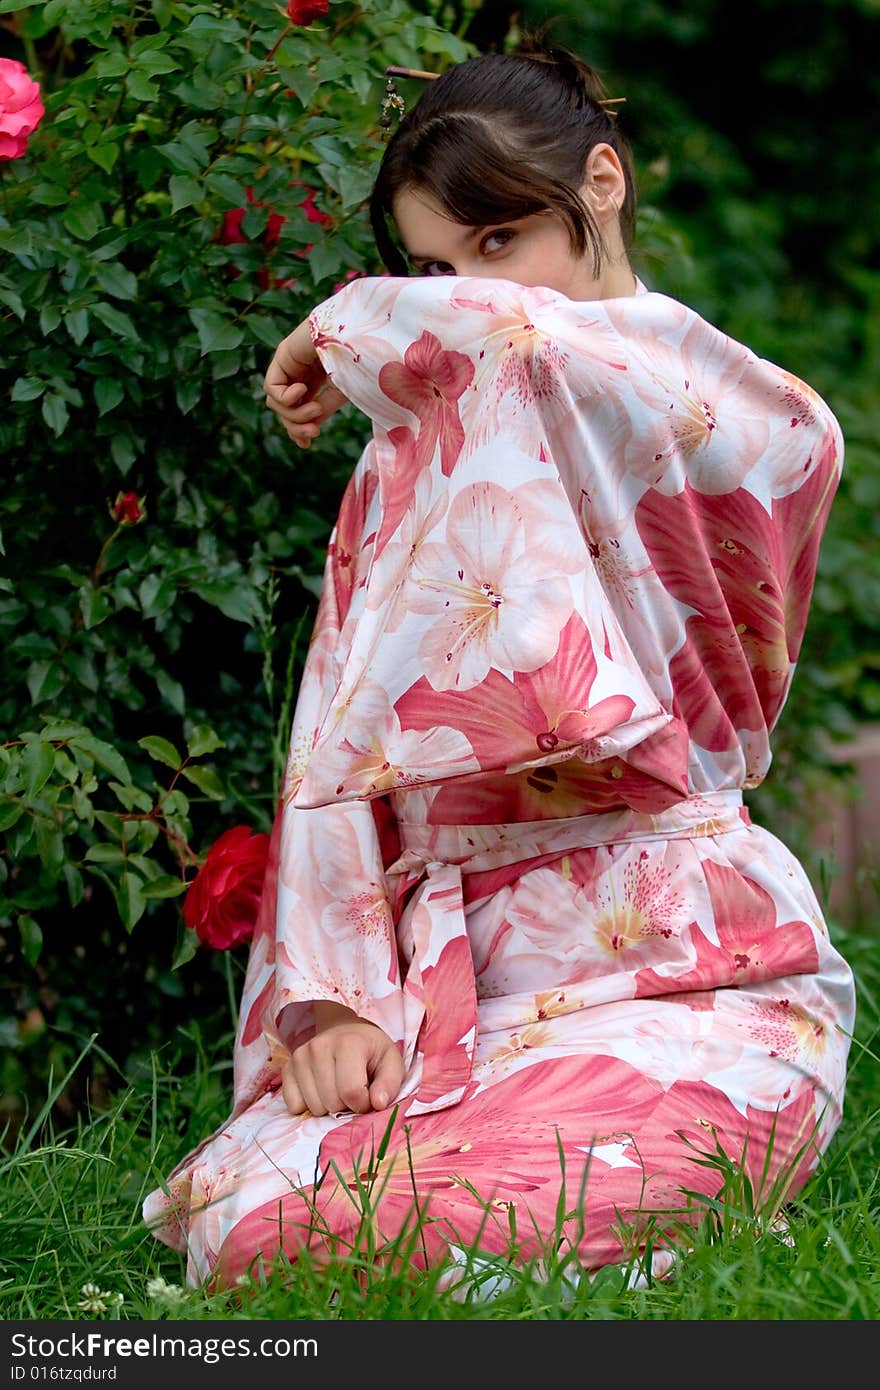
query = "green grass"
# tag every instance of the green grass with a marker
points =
(71, 1204)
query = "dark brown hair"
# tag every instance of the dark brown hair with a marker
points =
(501, 137)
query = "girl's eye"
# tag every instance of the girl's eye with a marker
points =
(496, 241)
(436, 268)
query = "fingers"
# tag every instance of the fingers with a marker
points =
(302, 406)
(293, 1096)
(325, 1079)
(343, 1069)
(387, 1078)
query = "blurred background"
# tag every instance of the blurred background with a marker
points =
(195, 186)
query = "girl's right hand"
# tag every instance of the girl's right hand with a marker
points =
(349, 1064)
(298, 389)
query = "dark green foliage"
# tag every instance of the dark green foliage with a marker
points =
(194, 190)
(134, 333)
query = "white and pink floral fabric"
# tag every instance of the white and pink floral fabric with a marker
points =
(563, 603)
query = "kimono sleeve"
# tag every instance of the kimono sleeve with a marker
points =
(325, 929)
(486, 643)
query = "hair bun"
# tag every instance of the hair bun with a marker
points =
(583, 79)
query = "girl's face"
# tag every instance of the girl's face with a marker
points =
(532, 251)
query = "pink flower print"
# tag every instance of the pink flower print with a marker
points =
(536, 370)
(788, 1030)
(694, 1116)
(370, 753)
(540, 366)
(468, 1164)
(638, 906)
(397, 483)
(751, 945)
(397, 553)
(349, 545)
(496, 598)
(538, 715)
(450, 1013)
(704, 424)
(429, 382)
(747, 577)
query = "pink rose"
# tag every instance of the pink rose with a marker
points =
(223, 899)
(21, 108)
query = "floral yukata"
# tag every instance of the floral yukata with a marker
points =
(562, 607)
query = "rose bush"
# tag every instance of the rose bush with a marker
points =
(160, 547)
(21, 108)
(222, 902)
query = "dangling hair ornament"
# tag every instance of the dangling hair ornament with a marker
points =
(392, 100)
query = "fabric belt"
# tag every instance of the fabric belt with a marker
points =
(439, 983)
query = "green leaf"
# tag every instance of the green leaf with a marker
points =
(10, 812)
(354, 184)
(31, 938)
(50, 845)
(207, 781)
(187, 945)
(202, 740)
(27, 388)
(38, 764)
(12, 301)
(132, 798)
(111, 65)
(108, 393)
(325, 259)
(76, 321)
(17, 240)
(61, 729)
(186, 192)
(216, 333)
(171, 690)
(166, 886)
(94, 605)
(237, 601)
(54, 411)
(75, 887)
(83, 219)
(160, 750)
(105, 854)
(140, 87)
(188, 392)
(266, 330)
(104, 755)
(130, 900)
(104, 155)
(44, 680)
(116, 321)
(123, 452)
(50, 317)
(116, 280)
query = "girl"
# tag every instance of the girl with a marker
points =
(523, 963)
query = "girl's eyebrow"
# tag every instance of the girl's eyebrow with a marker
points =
(469, 234)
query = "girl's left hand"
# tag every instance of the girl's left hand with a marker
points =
(298, 389)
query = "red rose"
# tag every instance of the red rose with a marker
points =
(313, 214)
(306, 11)
(223, 899)
(21, 107)
(231, 233)
(128, 509)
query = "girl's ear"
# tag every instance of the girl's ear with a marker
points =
(604, 188)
